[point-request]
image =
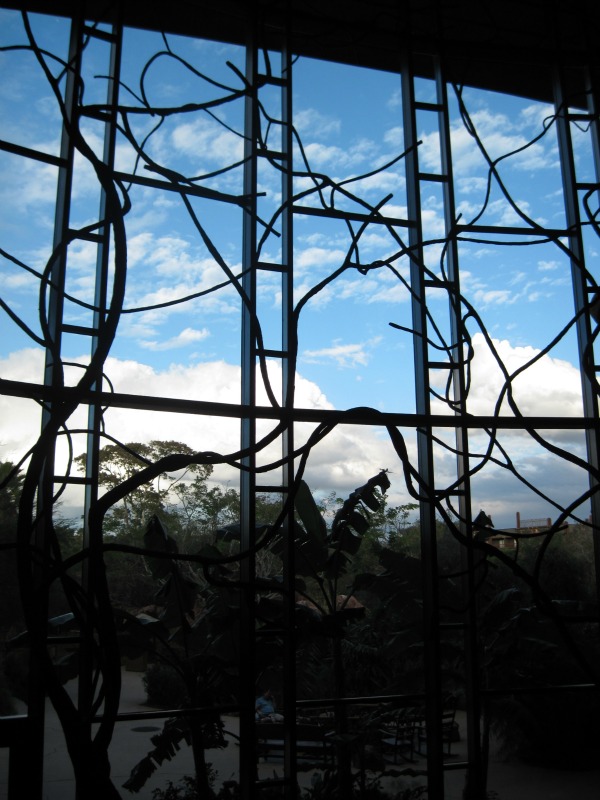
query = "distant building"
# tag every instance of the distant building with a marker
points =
(505, 541)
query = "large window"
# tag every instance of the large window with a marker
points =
(299, 394)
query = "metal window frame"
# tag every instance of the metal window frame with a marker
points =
(56, 396)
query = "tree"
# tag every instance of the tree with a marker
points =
(197, 646)
(68, 539)
(11, 482)
(197, 510)
(323, 557)
(184, 501)
(117, 463)
(208, 659)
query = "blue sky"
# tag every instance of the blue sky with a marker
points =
(349, 121)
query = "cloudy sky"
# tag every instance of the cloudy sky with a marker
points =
(349, 122)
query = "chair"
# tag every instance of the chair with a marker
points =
(449, 731)
(313, 743)
(398, 735)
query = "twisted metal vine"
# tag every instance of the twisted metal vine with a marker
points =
(39, 557)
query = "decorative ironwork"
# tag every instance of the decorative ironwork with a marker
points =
(130, 118)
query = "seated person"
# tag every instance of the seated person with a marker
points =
(264, 708)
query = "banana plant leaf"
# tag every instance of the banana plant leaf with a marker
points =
(354, 515)
(138, 634)
(167, 744)
(346, 540)
(400, 566)
(366, 494)
(337, 564)
(315, 527)
(157, 539)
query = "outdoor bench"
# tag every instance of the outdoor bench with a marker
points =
(313, 742)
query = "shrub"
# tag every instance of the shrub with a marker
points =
(164, 686)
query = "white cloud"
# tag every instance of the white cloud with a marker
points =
(313, 122)
(471, 184)
(395, 99)
(21, 419)
(398, 293)
(343, 355)
(206, 140)
(488, 297)
(334, 158)
(499, 137)
(382, 183)
(20, 281)
(536, 116)
(549, 387)
(395, 137)
(174, 268)
(187, 337)
(315, 257)
(343, 461)
(26, 184)
(547, 266)
(350, 454)
(321, 155)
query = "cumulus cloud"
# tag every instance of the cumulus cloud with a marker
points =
(185, 338)
(343, 355)
(349, 159)
(26, 184)
(313, 122)
(342, 461)
(319, 257)
(166, 265)
(349, 454)
(548, 266)
(205, 140)
(488, 297)
(548, 386)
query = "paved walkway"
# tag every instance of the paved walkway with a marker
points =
(510, 780)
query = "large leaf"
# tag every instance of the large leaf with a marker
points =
(402, 568)
(209, 729)
(346, 541)
(156, 538)
(350, 512)
(366, 494)
(337, 564)
(358, 522)
(500, 608)
(310, 515)
(178, 597)
(138, 633)
(310, 554)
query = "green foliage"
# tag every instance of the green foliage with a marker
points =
(556, 732)
(186, 789)
(324, 787)
(167, 744)
(567, 565)
(128, 518)
(326, 554)
(209, 657)
(11, 481)
(198, 645)
(164, 686)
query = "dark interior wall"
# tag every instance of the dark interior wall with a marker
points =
(507, 46)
